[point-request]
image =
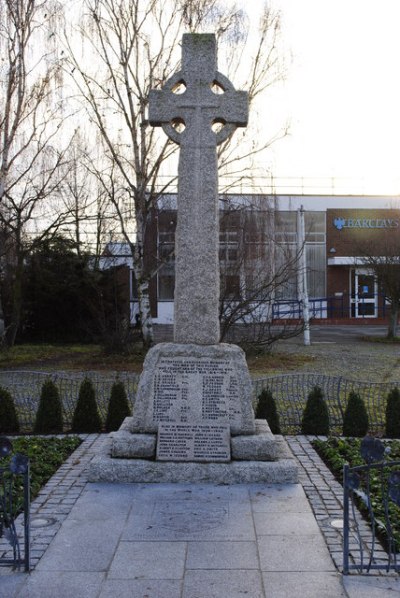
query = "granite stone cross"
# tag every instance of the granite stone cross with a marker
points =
(197, 108)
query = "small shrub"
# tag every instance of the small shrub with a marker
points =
(8, 414)
(118, 407)
(49, 417)
(266, 409)
(393, 414)
(86, 415)
(315, 418)
(355, 419)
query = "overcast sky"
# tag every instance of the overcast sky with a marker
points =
(342, 94)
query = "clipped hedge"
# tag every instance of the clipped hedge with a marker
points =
(86, 416)
(355, 418)
(392, 414)
(9, 423)
(118, 407)
(315, 418)
(266, 409)
(49, 416)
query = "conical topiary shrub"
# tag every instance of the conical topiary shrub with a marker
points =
(9, 423)
(315, 418)
(393, 414)
(118, 407)
(49, 417)
(355, 419)
(86, 415)
(266, 409)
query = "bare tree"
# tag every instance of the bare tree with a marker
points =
(130, 48)
(31, 165)
(382, 257)
(91, 223)
(258, 273)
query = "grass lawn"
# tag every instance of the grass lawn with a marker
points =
(68, 357)
(46, 455)
(92, 357)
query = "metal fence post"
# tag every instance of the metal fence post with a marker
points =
(345, 520)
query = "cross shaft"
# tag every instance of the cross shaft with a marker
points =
(196, 302)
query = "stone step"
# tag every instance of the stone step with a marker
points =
(104, 468)
(261, 446)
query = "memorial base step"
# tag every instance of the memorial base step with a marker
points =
(261, 446)
(105, 468)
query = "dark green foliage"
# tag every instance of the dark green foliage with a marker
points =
(86, 415)
(315, 418)
(45, 456)
(393, 414)
(9, 423)
(59, 289)
(335, 452)
(266, 409)
(355, 419)
(118, 407)
(49, 417)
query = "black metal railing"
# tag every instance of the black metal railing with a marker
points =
(362, 546)
(13, 468)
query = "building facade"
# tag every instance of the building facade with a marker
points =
(260, 245)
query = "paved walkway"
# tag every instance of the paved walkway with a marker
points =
(186, 540)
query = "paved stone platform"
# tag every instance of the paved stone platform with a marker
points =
(186, 540)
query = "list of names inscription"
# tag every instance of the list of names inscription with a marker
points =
(195, 390)
(198, 442)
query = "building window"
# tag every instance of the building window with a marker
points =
(166, 256)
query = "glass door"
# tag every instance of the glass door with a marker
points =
(364, 295)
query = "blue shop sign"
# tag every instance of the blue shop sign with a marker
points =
(341, 223)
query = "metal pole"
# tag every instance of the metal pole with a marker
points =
(303, 290)
(27, 502)
(345, 520)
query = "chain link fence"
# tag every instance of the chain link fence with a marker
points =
(290, 392)
(25, 387)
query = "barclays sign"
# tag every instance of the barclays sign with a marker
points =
(387, 223)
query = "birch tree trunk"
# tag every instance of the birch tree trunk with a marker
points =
(132, 47)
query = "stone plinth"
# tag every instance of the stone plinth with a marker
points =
(194, 384)
(103, 468)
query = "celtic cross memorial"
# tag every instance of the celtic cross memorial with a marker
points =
(195, 392)
(193, 419)
(198, 108)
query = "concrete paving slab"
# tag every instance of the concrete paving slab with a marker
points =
(10, 583)
(294, 553)
(222, 584)
(293, 524)
(213, 513)
(260, 491)
(362, 586)
(284, 504)
(62, 584)
(222, 555)
(309, 585)
(133, 588)
(148, 560)
(97, 520)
